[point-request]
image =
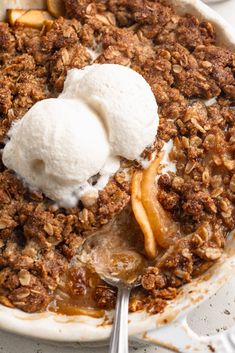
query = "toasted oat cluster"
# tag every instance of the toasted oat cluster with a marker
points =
(194, 85)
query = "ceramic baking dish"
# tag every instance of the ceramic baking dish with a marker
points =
(170, 328)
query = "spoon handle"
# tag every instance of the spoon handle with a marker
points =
(119, 337)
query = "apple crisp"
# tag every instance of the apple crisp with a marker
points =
(193, 81)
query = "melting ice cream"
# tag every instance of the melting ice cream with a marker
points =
(104, 112)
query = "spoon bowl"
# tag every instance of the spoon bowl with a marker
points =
(119, 267)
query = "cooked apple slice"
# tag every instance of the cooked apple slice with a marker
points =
(56, 7)
(34, 18)
(141, 216)
(14, 14)
(163, 226)
(67, 308)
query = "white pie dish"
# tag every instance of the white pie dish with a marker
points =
(172, 329)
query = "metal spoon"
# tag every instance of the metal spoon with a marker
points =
(119, 336)
(120, 267)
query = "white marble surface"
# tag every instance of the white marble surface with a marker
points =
(213, 316)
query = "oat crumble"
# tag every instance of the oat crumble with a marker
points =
(179, 58)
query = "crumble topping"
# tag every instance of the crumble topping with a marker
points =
(179, 58)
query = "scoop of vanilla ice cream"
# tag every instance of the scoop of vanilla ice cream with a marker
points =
(125, 102)
(56, 147)
(69, 147)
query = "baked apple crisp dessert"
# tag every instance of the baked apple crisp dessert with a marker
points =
(92, 96)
